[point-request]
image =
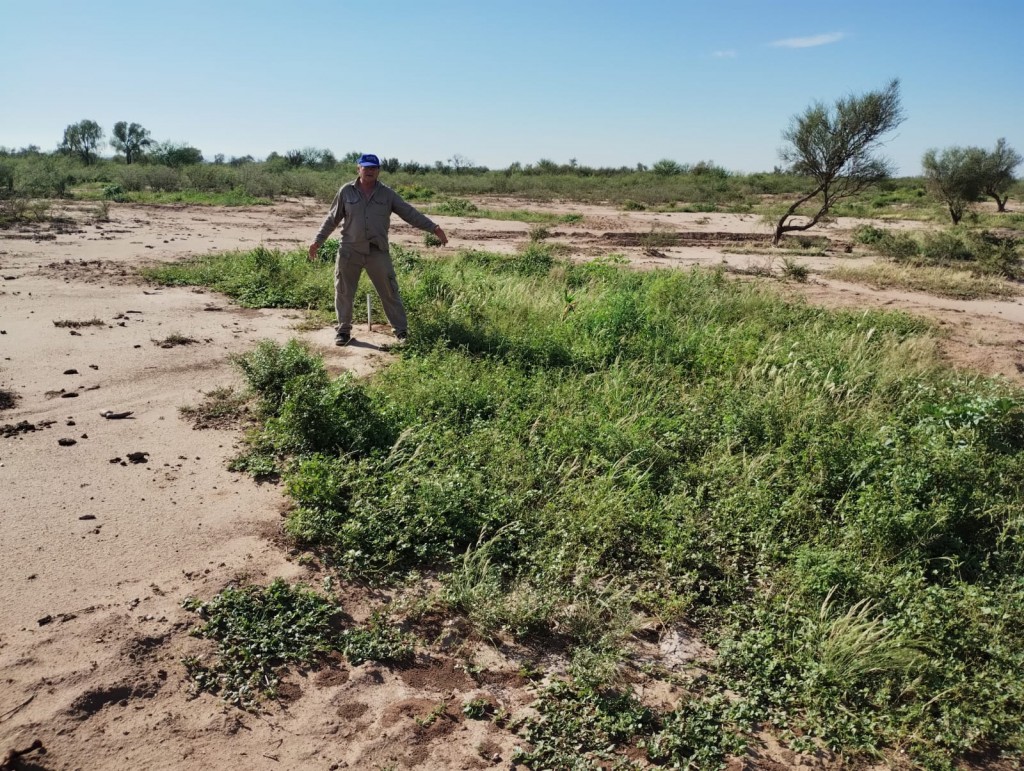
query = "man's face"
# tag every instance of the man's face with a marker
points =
(368, 174)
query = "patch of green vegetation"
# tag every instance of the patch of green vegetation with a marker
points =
(233, 197)
(414, 192)
(992, 220)
(378, 640)
(981, 253)
(260, 631)
(770, 251)
(457, 207)
(794, 270)
(260, 278)
(941, 282)
(478, 709)
(580, 728)
(460, 207)
(570, 446)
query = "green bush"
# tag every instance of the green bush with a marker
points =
(898, 247)
(999, 255)
(324, 415)
(868, 234)
(270, 367)
(114, 193)
(209, 177)
(458, 207)
(945, 247)
(982, 252)
(161, 178)
(49, 177)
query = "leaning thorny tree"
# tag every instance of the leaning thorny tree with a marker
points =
(835, 148)
(997, 172)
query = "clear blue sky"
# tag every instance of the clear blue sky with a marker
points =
(495, 81)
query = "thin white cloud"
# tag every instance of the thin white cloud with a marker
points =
(729, 54)
(809, 42)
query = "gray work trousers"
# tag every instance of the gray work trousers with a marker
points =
(347, 269)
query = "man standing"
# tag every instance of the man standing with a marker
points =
(363, 210)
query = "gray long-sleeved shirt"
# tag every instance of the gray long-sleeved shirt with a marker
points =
(365, 221)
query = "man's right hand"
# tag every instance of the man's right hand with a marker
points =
(314, 251)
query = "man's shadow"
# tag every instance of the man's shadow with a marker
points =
(355, 342)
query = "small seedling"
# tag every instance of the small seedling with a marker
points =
(478, 709)
(431, 717)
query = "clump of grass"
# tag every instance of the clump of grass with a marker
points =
(857, 644)
(175, 339)
(73, 324)
(794, 270)
(539, 233)
(8, 399)
(981, 253)
(222, 407)
(943, 282)
(261, 277)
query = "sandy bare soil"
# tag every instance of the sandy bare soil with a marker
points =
(106, 525)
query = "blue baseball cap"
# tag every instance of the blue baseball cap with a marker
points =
(369, 159)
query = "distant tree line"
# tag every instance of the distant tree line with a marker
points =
(134, 144)
(830, 154)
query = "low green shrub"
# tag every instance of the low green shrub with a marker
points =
(319, 414)
(270, 367)
(257, 630)
(458, 207)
